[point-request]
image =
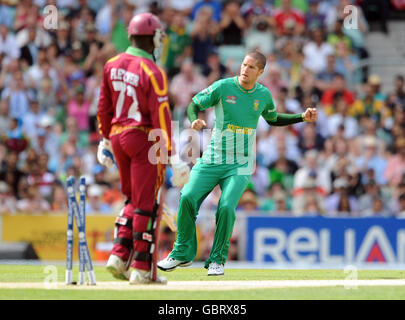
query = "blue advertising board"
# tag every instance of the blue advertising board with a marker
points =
(325, 240)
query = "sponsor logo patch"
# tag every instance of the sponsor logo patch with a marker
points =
(231, 99)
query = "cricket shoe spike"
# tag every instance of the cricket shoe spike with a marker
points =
(117, 267)
(144, 277)
(169, 264)
(216, 269)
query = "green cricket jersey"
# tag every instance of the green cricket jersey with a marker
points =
(237, 113)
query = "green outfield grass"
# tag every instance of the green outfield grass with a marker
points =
(17, 273)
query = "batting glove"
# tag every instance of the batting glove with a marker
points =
(105, 153)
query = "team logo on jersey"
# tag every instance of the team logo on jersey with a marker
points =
(231, 99)
(256, 105)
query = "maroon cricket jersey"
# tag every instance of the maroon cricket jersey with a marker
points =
(134, 94)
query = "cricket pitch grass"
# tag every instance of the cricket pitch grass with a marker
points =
(22, 282)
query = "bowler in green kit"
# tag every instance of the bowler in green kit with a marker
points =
(228, 161)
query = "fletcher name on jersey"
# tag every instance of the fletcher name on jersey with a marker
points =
(140, 90)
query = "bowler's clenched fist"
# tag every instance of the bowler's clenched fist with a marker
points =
(310, 115)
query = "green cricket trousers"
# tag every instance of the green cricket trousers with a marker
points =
(203, 179)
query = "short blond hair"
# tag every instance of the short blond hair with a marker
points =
(259, 57)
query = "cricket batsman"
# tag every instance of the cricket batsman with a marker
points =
(133, 102)
(227, 162)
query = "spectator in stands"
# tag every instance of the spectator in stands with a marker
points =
(370, 201)
(91, 44)
(256, 11)
(282, 204)
(4, 118)
(367, 105)
(259, 36)
(78, 108)
(314, 18)
(347, 63)
(276, 198)
(259, 181)
(32, 119)
(316, 52)
(33, 203)
(273, 81)
(214, 70)
(100, 176)
(310, 169)
(203, 35)
(310, 139)
(282, 170)
(296, 70)
(120, 21)
(113, 196)
(8, 45)
(33, 35)
(342, 119)
(186, 84)
(395, 125)
(7, 200)
(371, 160)
(215, 6)
(337, 35)
(177, 45)
(18, 96)
(104, 17)
(288, 52)
(287, 17)
(399, 91)
(307, 200)
(41, 179)
(248, 202)
(284, 142)
(6, 14)
(395, 169)
(339, 202)
(184, 6)
(306, 89)
(63, 38)
(342, 160)
(324, 78)
(94, 204)
(374, 81)
(401, 211)
(232, 24)
(287, 104)
(337, 90)
(59, 198)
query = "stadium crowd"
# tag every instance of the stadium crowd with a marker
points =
(350, 163)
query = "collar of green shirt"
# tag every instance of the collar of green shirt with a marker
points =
(138, 53)
(243, 89)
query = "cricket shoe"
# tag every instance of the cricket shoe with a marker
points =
(117, 267)
(169, 264)
(144, 277)
(216, 269)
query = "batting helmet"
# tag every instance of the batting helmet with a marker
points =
(146, 24)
